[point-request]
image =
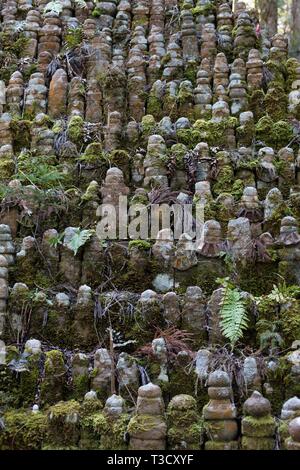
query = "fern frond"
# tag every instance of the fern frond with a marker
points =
(234, 320)
(79, 239)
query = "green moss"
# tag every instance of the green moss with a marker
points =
(276, 103)
(183, 418)
(53, 385)
(190, 72)
(283, 430)
(187, 438)
(63, 424)
(29, 380)
(205, 10)
(148, 124)
(292, 65)
(154, 106)
(259, 427)
(21, 134)
(278, 72)
(281, 134)
(80, 386)
(90, 406)
(257, 104)
(23, 430)
(215, 445)
(92, 192)
(185, 94)
(245, 134)
(258, 443)
(290, 317)
(238, 189)
(75, 130)
(225, 180)
(96, 12)
(7, 71)
(141, 423)
(73, 37)
(214, 133)
(140, 244)
(113, 436)
(7, 167)
(165, 59)
(263, 129)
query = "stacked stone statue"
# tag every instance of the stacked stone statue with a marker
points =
(258, 426)
(147, 429)
(187, 104)
(220, 414)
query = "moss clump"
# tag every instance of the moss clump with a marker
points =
(154, 106)
(263, 129)
(278, 73)
(215, 445)
(63, 424)
(165, 59)
(29, 380)
(142, 423)
(185, 95)
(139, 244)
(187, 438)
(225, 174)
(290, 318)
(281, 134)
(80, 386)
(53, 385)
(204, 10)
(89, 407)
(23, 430)
(92, 427)
(96, 12)
(258, 443)
(190, 72)
(245, 134)
(7, 167)
(259, 427)
(92, 192)
(276, 102)
(75, 130)
(21, 134)
(148, 124)
(121, 159)
(214, 133)
(113, 437)
(257, 104)
(292, 65)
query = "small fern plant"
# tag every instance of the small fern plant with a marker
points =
(79, 238)
(234, 319)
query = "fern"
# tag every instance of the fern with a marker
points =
(233, 314)
(79, 239)
(55, 241)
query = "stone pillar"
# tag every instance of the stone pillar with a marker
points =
(147, 428)
(184, 429)
(293, 442)
(220, 414)
(258, 426)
